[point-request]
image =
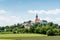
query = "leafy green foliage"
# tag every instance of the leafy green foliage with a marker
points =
(48, 29)
(52, 32)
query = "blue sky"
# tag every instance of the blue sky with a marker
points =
(17, 11)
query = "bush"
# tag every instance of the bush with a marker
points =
(37, 30)
(41, 30)
(14, 32)
(59, 31)
(50, 32)
(23, 30)
(53, 32)
(44, 29)
(56, 31)
(32, 29)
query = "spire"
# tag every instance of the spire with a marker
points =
(36, 16)
(37, 19)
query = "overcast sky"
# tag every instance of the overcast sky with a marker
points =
(17, 11)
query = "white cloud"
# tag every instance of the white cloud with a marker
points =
(55, 11)
(4, 20)
(7, 20)
(54, 20)
(3, 11)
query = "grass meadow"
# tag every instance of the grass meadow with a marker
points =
(27, 37)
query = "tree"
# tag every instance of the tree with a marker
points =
(55, 26)
(50, 23)
(43, 30)
(15, 30)
(1, 29)
(18, 25)
(53, 32)
(59, 31)
(29, 21)
(37, 24)
(15, 25)
(59, 26)
(7, 28)
(38, 30)
(23, 30)
(56, 31)
(32, 29)
(50, 32)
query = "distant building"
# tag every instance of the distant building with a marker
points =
(37, 19)
(27, 24)
(44, 22)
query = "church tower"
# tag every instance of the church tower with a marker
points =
(37, 19)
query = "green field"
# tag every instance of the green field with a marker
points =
(27, 37)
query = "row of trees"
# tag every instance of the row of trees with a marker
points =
(50, 29)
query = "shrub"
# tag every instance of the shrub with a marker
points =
(14, 32)
(50, 32)
(41, 30)
(56, 31)
(32, 29)
(59, 31)
(37, 30)
(53, 32)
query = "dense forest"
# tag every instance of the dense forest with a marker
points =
(49, 29)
